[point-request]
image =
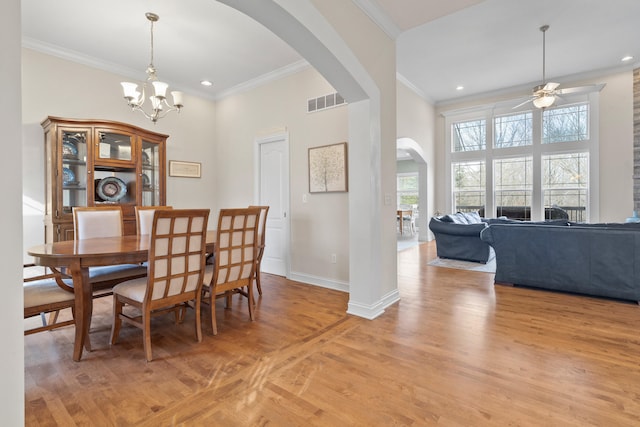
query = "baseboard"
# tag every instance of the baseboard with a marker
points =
(367, 311)
(371, 311)
(320, 281)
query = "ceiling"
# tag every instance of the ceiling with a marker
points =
(483, 45)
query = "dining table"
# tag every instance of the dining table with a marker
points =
(402, 213)
(78, 255)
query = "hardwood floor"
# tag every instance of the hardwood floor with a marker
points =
(455, 351)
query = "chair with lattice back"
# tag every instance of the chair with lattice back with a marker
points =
(236, 252)
(175, 274)
(262, 233)
(144, 218)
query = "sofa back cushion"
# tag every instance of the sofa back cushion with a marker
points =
(462, 218)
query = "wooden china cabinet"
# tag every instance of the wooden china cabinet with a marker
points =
(99, 162)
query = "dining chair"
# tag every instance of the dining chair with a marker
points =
(175, 274)
(144, 218)
(262, 224)
(43, 295)
(235, 257)
(104, 221)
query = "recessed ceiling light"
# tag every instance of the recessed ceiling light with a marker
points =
(459, 87)
(206, 83)
(627, 58)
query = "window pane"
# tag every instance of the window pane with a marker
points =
(565, 183)
(513, 184)
(513, 130)
(407, 190)
(565, 124)
(469, 136)
(407, 182)
(468, 186)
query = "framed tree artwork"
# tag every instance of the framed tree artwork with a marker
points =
(328, 168)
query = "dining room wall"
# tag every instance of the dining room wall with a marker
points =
(319, 225)
(52, 86)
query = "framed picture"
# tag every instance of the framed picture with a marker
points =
(328, 168)
(184, 169)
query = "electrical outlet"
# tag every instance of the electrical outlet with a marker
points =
(334, 258)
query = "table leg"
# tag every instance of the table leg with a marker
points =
(83, 307)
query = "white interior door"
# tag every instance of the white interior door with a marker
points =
(272, 174)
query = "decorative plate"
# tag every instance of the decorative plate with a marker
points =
(68, 177)
(69, 150)
(111, 189)
(146, 182)
(145, 158)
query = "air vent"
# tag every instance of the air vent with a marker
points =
(324, 102)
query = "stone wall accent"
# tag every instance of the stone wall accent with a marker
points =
(636, 140)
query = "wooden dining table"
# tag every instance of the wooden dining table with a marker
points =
(78, 255)
(401, 214)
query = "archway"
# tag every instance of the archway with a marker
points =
(372, 245)
(414, 150)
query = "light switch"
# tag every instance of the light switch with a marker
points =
(304, 198)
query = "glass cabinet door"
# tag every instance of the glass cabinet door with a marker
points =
(113, 147)
(150, 178)
(74, 169)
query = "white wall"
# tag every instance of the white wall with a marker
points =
(318, 227)
(416, 120)
(11, 324)
(55, 87)
(615, 138)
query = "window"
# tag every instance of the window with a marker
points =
(407, 189)
(513, 182)
(536, 159)
(565, 183)
(565, 124)
(469, 186)
(513, 130)
(469, 136)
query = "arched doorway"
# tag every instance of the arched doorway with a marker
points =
(415, 152)
(305, 26)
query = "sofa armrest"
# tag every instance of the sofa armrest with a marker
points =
(437, 226)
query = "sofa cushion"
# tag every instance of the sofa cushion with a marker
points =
(462, 218)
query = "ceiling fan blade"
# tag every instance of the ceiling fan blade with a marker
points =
(523, 103)
(577, 89)
(550, 86)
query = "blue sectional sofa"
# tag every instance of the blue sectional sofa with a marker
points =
(594, 259)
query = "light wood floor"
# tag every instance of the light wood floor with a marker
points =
(455, 351)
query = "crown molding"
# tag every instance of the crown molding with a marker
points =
(415, 89)
(264, 79)
(381, 19)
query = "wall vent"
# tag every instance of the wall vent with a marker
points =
(324, 102)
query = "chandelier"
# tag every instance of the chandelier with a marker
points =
(159, 105)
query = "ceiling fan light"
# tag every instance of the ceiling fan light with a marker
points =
(544, 101)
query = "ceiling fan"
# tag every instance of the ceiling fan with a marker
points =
(545, 94)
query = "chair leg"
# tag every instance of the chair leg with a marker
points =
(196, 308)
(146, 335)
(258, 279)
(212, 304)
(53, 317)
(117, 321)
(250, 302)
